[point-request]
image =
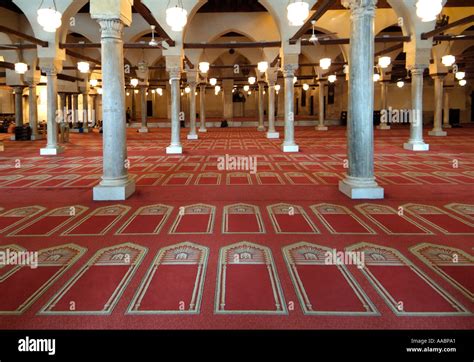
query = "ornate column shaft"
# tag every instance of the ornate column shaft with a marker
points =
(289, 144)
(202, 108)
(261, 110)
(446, 123)
(175, 146)
(438, 112)
(359, 182)
(52, 147)
(116, 184)
(415, 142)
(192, 112)
(321, 88)
(144, 128)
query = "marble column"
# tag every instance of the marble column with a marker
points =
(272, 133)
(438, 113)
(33, 111)
(261, 109)
(175, 145)
(94, 109)
(415, 142)
(18, 108)
(383, 102)
(359, 182)
(134, 107)
(192, 112)
(52, 148)
(144, 128)
(289, 144)
(75, 109)
(321, 89)
(85, 112)
(446, 123)
(202, 108)
(116, 184)
(63, 116)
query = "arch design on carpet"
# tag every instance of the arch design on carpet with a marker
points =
(291, 219)
(412, 292)
(22, 285)
(242, 219)
(390, 221)
(208, 178)
(84, 181)
(174, 283)
(99, 221)
(50, 222)
(439, 219)
(454, 265)
(247, 281)
(11, 218)
(97, 287)
(299, 178)
(238, 178)
(269, 178)
(457, 177)
(317, 283)
(150, 179)
(178, 179)
(465, 210)
(194, 219)
(147, 220)
(340, 220)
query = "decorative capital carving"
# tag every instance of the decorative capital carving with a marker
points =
(175, 73)
(111, 28)
(289, 70)
(360, 7)
(417, 69)
(49, 70)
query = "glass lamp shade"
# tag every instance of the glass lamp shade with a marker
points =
(83, 67)
(187, 90)
(277, 87)
(252, 80)
(21, 68)
(428, 10)
(204, 67)
(246, 88)
(176, 18)
(99, 91)
(262, 66)
(462, 82)
(217, 88)
(384, 62)
(49, 19)
(448, 60)
(460, 75)
(297, 12)
(93, 83)
(332, 78)
(325, 63)
(400, 84)
(134, 82)
(159, 91)
(376, 77)
(213, 81)
(305, 86)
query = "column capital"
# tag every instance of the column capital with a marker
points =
(18, 89)
(417, 69)
(49, 69)
(289, 70)
(111, 28)
(175, 73)
(439, 76)
(360, 7)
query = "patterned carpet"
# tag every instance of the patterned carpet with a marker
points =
(196, 247)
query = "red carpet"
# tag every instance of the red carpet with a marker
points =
(200, 248)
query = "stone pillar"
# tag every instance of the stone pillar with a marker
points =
(116, 184)
(359, 182)
(134, 107)
(18, 108)
(202, 108)
(75, 109)
(438, 113)
(63, 117)
(144, 128)
(289, 144)
(321, 89)
(175, 146)
(227, 87)
(33, 111)
(383, 102)
(85, 112)
(446, 123)
(261, 109)
(192, 111)
(52, 147)
(272, 133)
(415, 142)
(94, 109)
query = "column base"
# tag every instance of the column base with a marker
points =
(437, 133)
(202, 130)
(290, 148)
(447, 126)
(383, 126)
(261, 128)
(273, 135)
(37, 138)
(113, 193)
(192, 137)
(51, 151)
(321, 128)
(363, 190)
(143, 130)
(419, 146)
(174, 150)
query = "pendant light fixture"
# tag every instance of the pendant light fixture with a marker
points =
(325, 63)
(246, 88)
(213, 81)
(448, 60)
(83, 67)
(134, 82)
(384, 62)
(204, 67)
(462, 82)
(332, 78)
(93, 83)
(262, 66)
(252, 80)
(21, 68)
(295, 79)
(460, 75)
(49, 18)
(400, 84)
(428, 10)
(176, 16)
(297, 12)
(187, 90)
(153, 42)
(376, 77)
(305, 86)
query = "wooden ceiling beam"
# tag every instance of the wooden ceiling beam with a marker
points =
(150, 19)
(82, 57)
(441, 29)
(19, 34)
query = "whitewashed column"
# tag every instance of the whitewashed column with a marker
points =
(383, 102)
(85, 112)
(75, 109)
(175, 146)
(438, 104)
(18, 108)
(202, 108)
(359, 182)
(272, 133)
(289, 144)
(261, 110)
(116, 183)
(321, 89)
(415, 142)
(144, 127)
(52, 148)
(192, 111)
(446, 123)
(33, 111)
